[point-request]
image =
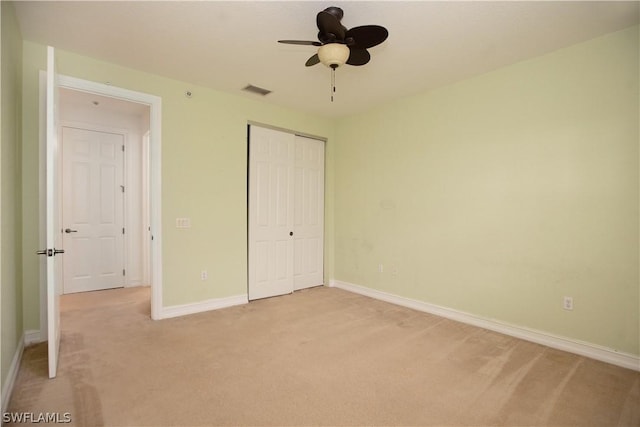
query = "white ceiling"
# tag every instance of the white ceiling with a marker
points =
(226, 45)
(75, 98)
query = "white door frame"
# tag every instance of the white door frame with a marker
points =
(155, 180)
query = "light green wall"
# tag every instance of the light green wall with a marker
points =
(496, 196)
(10, 208)
(204, 167)
(503, 193)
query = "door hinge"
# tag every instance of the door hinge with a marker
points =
(123, 272)
(123, 147)
(122, 187)
(122, 230)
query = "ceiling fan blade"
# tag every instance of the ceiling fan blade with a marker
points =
(329, 24)
(358, 57)
(313, 60)
(367, 36)
(300, 42)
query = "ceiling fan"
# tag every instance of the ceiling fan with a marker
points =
(337, 45)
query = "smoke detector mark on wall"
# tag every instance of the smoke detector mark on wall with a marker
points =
(256, 90)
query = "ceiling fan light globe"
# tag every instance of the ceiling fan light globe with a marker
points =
(333, 54)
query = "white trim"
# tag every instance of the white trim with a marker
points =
(75, 124)
(32, 336)
(581, 348)
(279, 129)
(12, 374)
(155, 194)
(146, 243)
(207, 305)
(155, 206)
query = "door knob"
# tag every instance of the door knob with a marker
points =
(50, 252)
(291, 233)
(68, 230)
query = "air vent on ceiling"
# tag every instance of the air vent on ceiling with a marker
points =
(256, 89)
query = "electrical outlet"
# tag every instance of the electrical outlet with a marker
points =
(567, 303)
(380, 268)
(204, 275)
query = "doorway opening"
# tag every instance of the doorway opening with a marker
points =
(133, 118)
(105, 196)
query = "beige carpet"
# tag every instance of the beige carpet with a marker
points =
(318, 357)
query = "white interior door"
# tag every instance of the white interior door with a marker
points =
(286, 205)
(53, 235)
(270, 213)
(93, 209)
(308, 200)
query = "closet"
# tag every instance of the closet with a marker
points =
(285, 212)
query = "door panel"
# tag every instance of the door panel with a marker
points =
(270, 213)
(53, 237)
(309, 213)
(93, 207)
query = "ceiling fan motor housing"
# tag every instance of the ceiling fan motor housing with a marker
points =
(333, 54)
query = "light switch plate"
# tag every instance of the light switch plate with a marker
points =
(183, 222)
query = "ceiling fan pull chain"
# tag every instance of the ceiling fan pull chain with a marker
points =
(333, 82)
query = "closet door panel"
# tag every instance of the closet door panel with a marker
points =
(270, 213)
(309, 209)
(286, 213)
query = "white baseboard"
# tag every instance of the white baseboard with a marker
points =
(32, 336)
(7, 387)
(581, 348)
(199, 307)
